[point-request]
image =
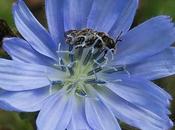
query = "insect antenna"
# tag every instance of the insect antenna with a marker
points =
(119, 36)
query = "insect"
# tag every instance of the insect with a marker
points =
(5, 30)
(89, 37)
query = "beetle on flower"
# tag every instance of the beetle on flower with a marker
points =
(89, 70)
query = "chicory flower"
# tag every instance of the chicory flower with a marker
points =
(89, 70)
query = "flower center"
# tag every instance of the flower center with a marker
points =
(78, 77)
(89, 52)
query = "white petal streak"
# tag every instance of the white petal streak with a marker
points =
(21, 51)
(33, 31)
(78, 120)
(54, 13)
(56, 113)
(23, 101)
(112, 16)
(147, 39)
(132, 114)
(99, 116)
(125, 18)
(144, 94)
(156, 66)
(76, 13)
(15, 76)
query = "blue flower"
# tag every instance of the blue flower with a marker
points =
(89, 70)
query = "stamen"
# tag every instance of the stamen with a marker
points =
(127, 72)
(110, 70)
(96, 70)
(114, 69)
(100, 62)
(94, 81)
(95, 75)
(88, 57)
(110, 51)
(71, 56)
(71, 71)
(97, 54)
(62, 53)
(60, 67)
(96, 64)
(60, 62)
(117, 80)
(63, 67)
(52, 83)
(70, 68)
(70, 87)
(59, 46)
(80, 52)
(50, 89)
(81, 91)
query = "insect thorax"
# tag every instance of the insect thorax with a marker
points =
(89, 37)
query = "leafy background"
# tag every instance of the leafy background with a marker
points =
(147, 9)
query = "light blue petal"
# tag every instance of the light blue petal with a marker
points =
(103, 14)
(99, 116)
(33, 31)
(148, 85)
(155, 67)
(112, 15)
(23, 101)
(56, 113)
(16, 76)
(21, 51)
(78, 120)
(76, 13)
(143, 41)
(54, 13)
(125, 18)
(144, 94)
(132, 114)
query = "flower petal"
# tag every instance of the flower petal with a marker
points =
(56, 113)
(21, 51)
(76, 13)
(16, 76)
(144, 94)
(125, 18)
(33, 31)
(78, 120)
(148, 85)
(132, 114)
(147, 39)
(99, 116)
(54, 13)
(23, 101)
(155, 67)
(114, 15)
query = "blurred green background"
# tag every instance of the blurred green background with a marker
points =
(147, 9)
